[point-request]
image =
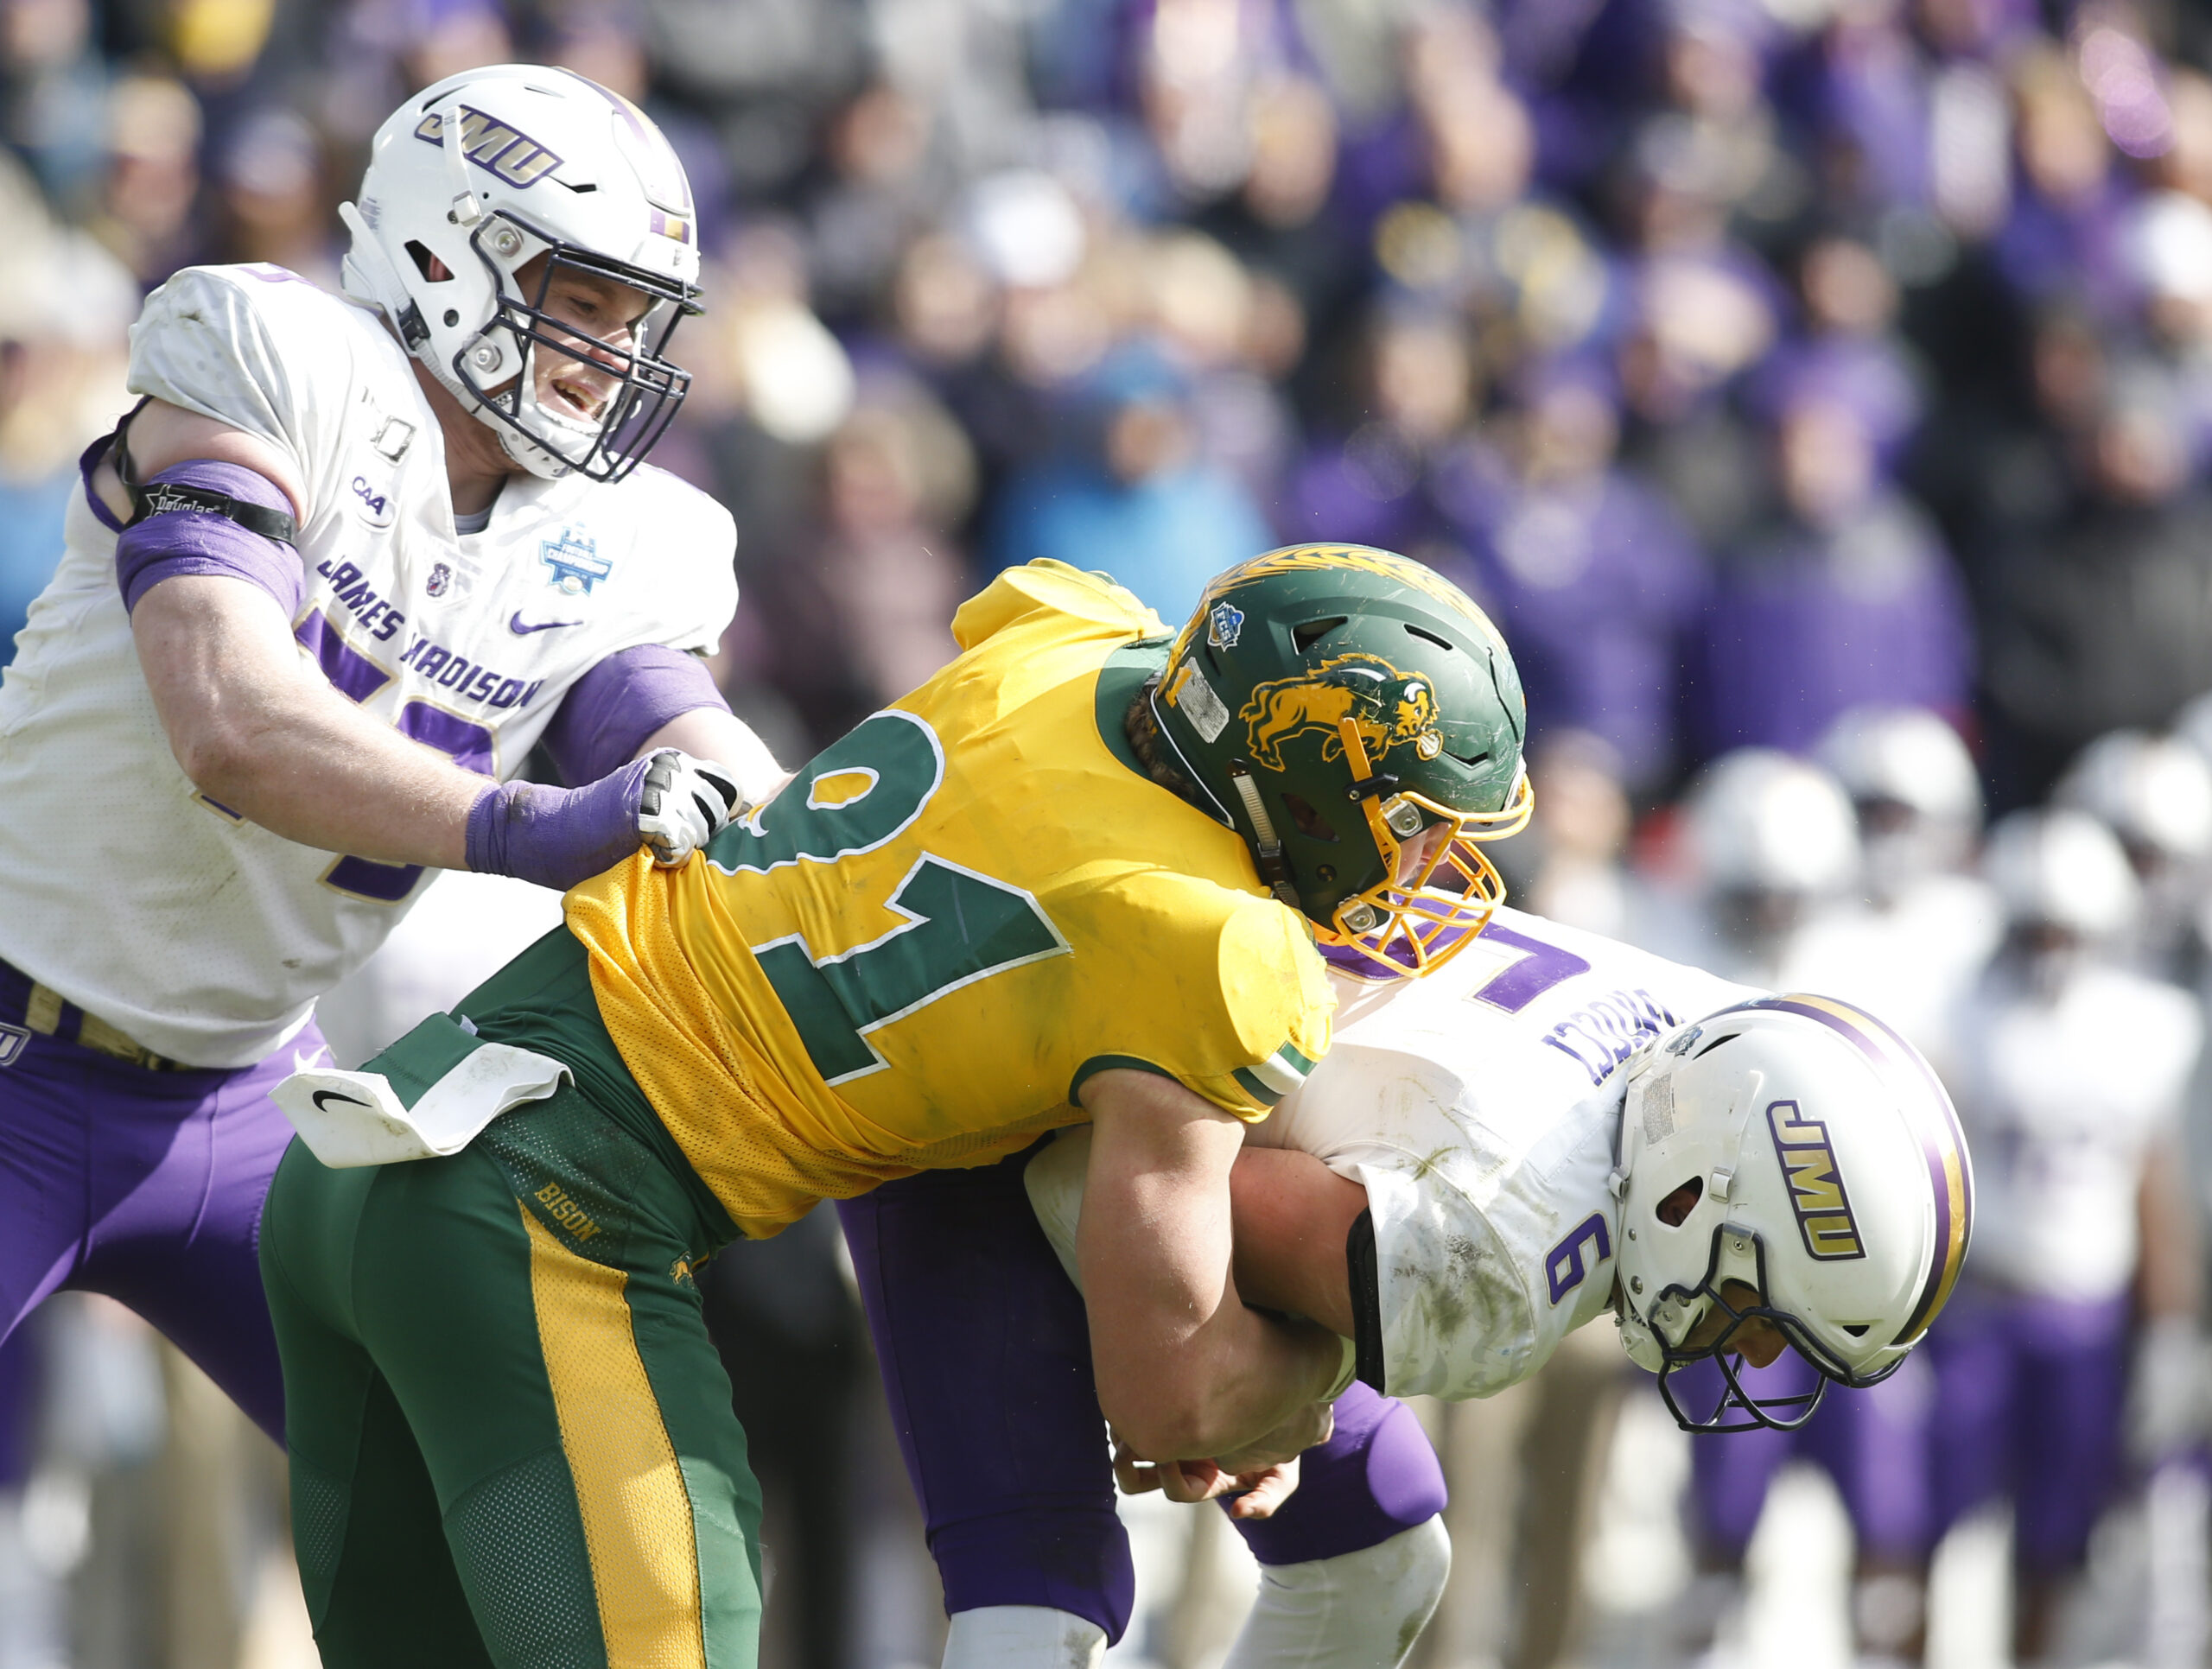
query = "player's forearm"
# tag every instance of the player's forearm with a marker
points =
(1220, 1388)
(1184, 1369)
(259, 735)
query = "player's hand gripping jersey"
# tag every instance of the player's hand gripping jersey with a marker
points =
(210, 937)
(917, 953)
(1480, 1108)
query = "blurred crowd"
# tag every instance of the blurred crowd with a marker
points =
(1817, 392)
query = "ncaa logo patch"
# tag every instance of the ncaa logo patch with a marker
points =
(575, 562)
(1224, 625)
(13, 1041)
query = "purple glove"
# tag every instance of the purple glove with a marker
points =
(559, 836)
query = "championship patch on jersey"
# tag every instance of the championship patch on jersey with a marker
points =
(13, 1039)
(1816, 1191)
(1390, 708)
(574, 561)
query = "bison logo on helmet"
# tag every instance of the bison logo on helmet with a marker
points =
(1390, 709)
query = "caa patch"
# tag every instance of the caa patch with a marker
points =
(373, 505)
(1816, 1191)
(440, 578)
(13, 1041)
(1224, 625)
(574, 561)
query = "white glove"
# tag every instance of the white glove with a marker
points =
(684, 804)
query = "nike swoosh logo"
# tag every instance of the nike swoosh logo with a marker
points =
(520, 629)
(309, 1062)
(322, 1096)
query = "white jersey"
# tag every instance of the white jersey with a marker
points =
(206, 937)
(2061, 1099)
(1479, 1107)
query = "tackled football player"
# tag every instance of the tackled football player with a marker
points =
(976, 918)
(351, 559)
(1549, 1127)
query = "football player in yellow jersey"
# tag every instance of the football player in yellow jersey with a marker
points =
(1078, 874)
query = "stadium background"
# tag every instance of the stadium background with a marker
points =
(1752, 360)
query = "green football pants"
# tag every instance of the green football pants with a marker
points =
(510, 1439)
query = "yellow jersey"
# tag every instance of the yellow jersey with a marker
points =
(915, 954)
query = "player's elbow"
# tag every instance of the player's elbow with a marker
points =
(223, 751)
(1166, 1417)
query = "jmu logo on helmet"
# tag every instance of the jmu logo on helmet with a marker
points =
(1390, 708)
(515, 157)
(1816, 1191)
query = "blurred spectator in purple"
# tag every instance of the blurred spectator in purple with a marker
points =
(859, 611)
(1235, 336)
(1699, 317)
(1126, 494)
(152, 181)
(1847, 595)
(270, 199)
(2101, 615)
(1281, 221)
(765, 74)
(890, 180)
(1594, 578)
(1523, 268)
(2064, 236)
(1415, 380)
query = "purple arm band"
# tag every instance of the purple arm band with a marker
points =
(610, 712)
(196, 542)
(556, 836)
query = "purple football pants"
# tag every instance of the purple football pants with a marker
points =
(2030, 1395)
(986, 1358)
(145, 1186)
(1873, 1443)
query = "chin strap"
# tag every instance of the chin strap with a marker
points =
(1273, 870)
(380, 283)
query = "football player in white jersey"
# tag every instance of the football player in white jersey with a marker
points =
(2071, 1072)
(1552, 1127)
(350, 559)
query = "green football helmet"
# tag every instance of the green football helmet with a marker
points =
(1336, 702)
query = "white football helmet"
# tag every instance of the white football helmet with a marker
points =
(1762, 821)
(1913, 782)
(2154, 792)
(2062, 869)
(546, 164)
(1813, 1157)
